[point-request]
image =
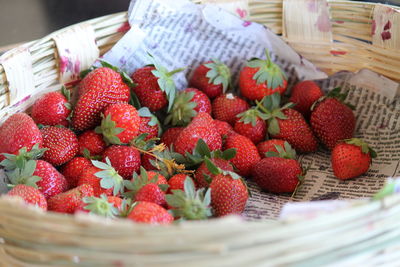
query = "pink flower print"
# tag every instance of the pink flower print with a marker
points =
(386, 35)
(241, 12)
(124, 28)
(373, 27)
(246, 23)
(63, 63)
(77, 67)
(387, 26)
(323, 22)
(312, 6)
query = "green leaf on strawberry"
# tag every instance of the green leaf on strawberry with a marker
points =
(109, 176)
(109, 130)
(219, 73)
(182, 111)
(24, 175)
(12, 161)
(100, 206)
(365, 148)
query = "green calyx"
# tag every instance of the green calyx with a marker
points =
(251, 115)
(11, 161)
(272, 112)
(165, 80)
(109, 177)
(269, 72)
(182, 110)
(168, 162)
(335, 93)
(109, 130)
(138, 182)
(365, 148)
(216, 170)
(100, 206)
(67, 93)
(219, 73)
(24, 175)
(286, 152)
(190, 204)
(146, 113)
(141, 143)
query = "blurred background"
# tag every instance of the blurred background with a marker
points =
(27, 20)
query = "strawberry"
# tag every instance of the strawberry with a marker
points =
(125, 159)
(170, 135)
(160, 178)
(52, 108)
(145, 161)
(91, 143)
(61, 143)
(304, 94)
(203, 176)
(288, 124)
(246, 153)
(149, 213)
(223, 128)
(149, 124)
(201, 127)
(331, 120)
(189, 204)
(187, 105)
(251, 124)
(212, 77)
(19, 131)
(278, 172)
(106, 206)
(100, 88)
(261, 78)
(30, 195)
(69, 201)
(120, 123)
(226, 107)
(73, 169)
(155, 87)
(351, 158)
(151, 193)
(269, 146)
(177, 181)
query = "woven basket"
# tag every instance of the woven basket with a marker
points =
(355, 37)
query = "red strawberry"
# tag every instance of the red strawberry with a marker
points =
(169, 136)
(148, 80)
(146, 162)
(269, 146)
(125, 159)
(30, 195)
(202, 171)
(61, 143)
(92, 142)
(52, 108)
(149, 124)
(201, 127)
(177, 181)
(304, 94)
(288, 124)
(100, 88)
(151, 193)
(69, 201)
(351, 158)
(331, 120)
(246, 153)
(150, 213)
(120, 123)
(223, 128)
(251, 124)
(187, 105)
(19, 131)
(52, 182)
(212, 77)
(106, 206)
(227, 107)
(73, 169)
(160, 178)
(261, 78)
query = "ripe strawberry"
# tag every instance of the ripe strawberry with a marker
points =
(246, 153)
(69, 201)
(150, 213)
(269, 146)
(203, 176)
(151, 193)
(30, 195)
(61, 143)
(187, 105)
(261, 78)
(177, 181)
(148, 90)
(120, 123)
(169, 136)
(149, 124)
(227, 107)
(145, 162)
(223, 128)
(19, 131)
(106, 206)
(160, 178)
(125, 159)
(351, 158)
(92, 142)
(251, 124)
(73, 169)
(304, 94)
(212, 77)
(331, 120)
(100, 88)
(201, 127)
(52, 108)
(288, 124)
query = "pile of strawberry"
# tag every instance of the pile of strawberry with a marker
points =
(103, 155)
